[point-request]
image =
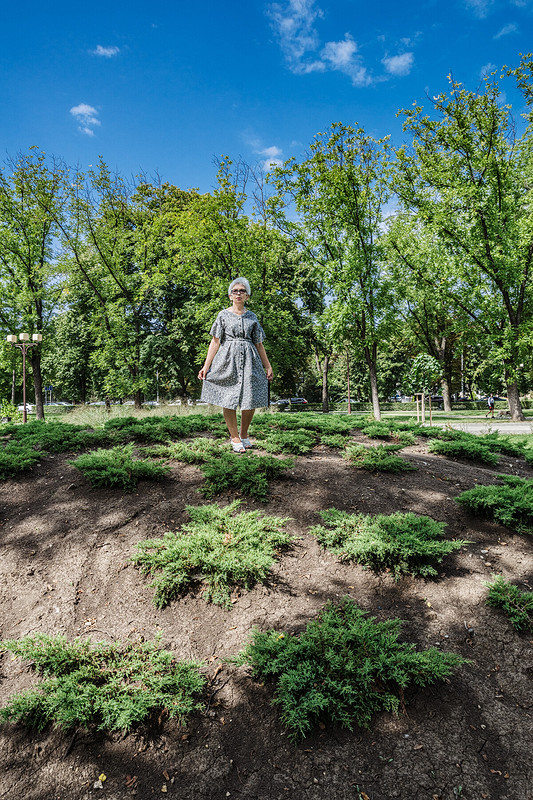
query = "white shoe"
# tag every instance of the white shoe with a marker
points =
(246, 444)
(237, 447)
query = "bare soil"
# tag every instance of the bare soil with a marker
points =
(65, 568)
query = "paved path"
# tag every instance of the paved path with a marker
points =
(490, 425)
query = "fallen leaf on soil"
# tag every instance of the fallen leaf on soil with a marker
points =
(166, 776)
(418, 746)
(496, 771)
(131, 780)
(164, 788)
(102, 777)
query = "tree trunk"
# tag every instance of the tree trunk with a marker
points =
(325, 401)
(348, 382)
(37, 382)
(446, 398)
(513, 398)
(138, 398)
(371, 361)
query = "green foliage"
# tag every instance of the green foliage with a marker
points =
(223, 549)
(389, 430)
(157, 429)
(17, 457)
(518, 605)
(197, 451)
(510, 505)
(117, 467)
(297, 441)
(10, 412)
(423, 374)
(114, 686)
(471, 450)
(377, 459)
(334, 440)
(344, 667)
(402, 543)
(248, 474)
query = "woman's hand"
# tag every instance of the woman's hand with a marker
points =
(270, 374)
(203, 372)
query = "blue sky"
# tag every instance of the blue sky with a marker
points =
(165, 87)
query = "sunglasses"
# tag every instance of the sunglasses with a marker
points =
(238, 291)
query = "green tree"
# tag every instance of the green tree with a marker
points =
(339, 193)
(31, 199)
(467, 179)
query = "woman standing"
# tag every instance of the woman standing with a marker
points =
(236, 370)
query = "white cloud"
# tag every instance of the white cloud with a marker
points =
(105, 52)
(509, 28)
(400, 64)
(272, 157)
(486, 69)
(87, 118)
(295, 25)
(480, 8)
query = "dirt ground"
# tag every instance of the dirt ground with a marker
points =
(65, 568)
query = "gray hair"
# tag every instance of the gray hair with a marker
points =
(243, 282)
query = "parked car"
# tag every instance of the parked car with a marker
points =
(29, 407)
(292, 401)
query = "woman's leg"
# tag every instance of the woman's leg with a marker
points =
(230, 416)
(246, 418)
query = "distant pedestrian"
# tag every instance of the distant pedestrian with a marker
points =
(236, 371)
(490, 404)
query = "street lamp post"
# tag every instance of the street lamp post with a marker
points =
(22, 344)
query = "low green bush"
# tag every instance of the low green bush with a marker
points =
(118, 467)
(16, 457)
(516, 604)
(471, 450)
(297, 442)
(389, 430)
(334, 440)
(248, 473)
(403, 543)
(218, 547)
(344, 667)
(57, 437)
(114, 686)
(510, 504)
(197, 451)
(377, 459)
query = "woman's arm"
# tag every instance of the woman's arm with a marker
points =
(264, 359)
(211, 353)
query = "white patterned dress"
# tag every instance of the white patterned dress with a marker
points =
(237, 377)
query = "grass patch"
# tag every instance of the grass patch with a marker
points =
(402, 543)
(217, 546)
(510, 504)
(470, 450)
(344, 667)
(516, 604)
(377, 459)
(114, 686)
(117, 467)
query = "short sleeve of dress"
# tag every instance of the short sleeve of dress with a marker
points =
(258, 334)
(217, 328)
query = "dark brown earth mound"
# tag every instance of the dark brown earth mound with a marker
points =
(65, 567)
